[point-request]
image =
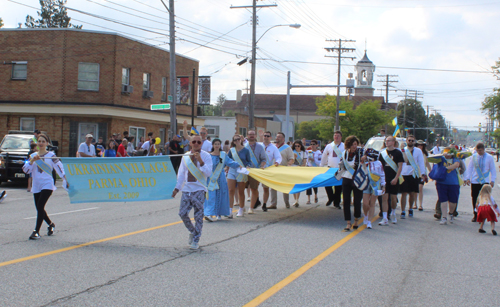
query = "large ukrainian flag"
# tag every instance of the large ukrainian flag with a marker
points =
(292, 180)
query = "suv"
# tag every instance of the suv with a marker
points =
(14, 150)
(377, 142)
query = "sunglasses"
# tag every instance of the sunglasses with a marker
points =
(312, 144)
(410, 140)
(267, 136)
(237, 139)
(196, 142)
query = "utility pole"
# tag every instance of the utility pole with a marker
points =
(387, 82)
(339, 57)
(251, 104)
(173, 76)
(418, 94)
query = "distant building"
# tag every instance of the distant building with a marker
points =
(71, 82)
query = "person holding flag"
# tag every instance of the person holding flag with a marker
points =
(206, 144)
(192, 177)
(273, 158)
(300, 155)
(331, 158)
(40, 166)
(287, 159)
(237, 180)
(313, 160)
(481, 170)
(413, 171)
(258, 157)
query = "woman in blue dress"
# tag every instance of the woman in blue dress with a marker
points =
(111, 151)
(217, 203)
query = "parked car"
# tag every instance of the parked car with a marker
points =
(491, 151)
(377, 142)
(14, 150)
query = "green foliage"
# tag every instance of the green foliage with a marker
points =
(308, 130)
(229, 113)
(53, 15)
(496, 135)
(1, 22)
(364, 121)
(415, 113)
(211, 110)
(491, 104)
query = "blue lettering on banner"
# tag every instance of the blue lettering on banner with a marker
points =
(119, 179)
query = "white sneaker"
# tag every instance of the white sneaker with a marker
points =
(394, 220)
(365, 221)
(384, 222)
(209, 218)
(241, 212)
(194, 245)
(190, 240)
(248, 199)
(443, 221)
(369, 225)
(452, 218)
(219, 218)
(250, 211)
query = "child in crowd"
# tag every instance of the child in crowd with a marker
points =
(487, 209)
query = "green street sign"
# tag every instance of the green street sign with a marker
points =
(170, 98)
(163, 106)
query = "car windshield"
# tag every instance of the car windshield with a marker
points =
(15, 142)
(376, 144)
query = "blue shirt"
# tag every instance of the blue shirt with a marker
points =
(244, 155)
(451, 177)
(110, 153)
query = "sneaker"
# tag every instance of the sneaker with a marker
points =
(257, 204)
(209, 218)
(410, 213)
(34, 236)
(403, 215)
(3, 196)
(444, 221)
(296, 204)
(230, 216)
(190, 240)
(194, 245)
(384, 222)
(219, 218)
(248, 199)
(394, 220)
(264, 207)
(250, 211)
(241, 212)
(365, 221)
(369, 225)
(50, 229)
(452, 218)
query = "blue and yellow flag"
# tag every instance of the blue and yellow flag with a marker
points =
(194, 131)
(395, 121)
(292, 180)
(341, 113)
(397, 131)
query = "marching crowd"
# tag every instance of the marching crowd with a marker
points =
(211, 182)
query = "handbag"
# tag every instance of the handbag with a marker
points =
(360, 178)
(438, 173)
(340, 172)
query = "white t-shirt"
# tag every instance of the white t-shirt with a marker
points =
(87, 149)
(206, 146)
(42, 180)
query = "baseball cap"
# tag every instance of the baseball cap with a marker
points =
(89, 136)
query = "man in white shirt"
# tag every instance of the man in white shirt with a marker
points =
(436, 150)
(331, 158)
(481, 170)
(86, 149)
(287, 158)
(148, 146)
(413, 157)
(191, 180)
(206, 144)
(274, 157)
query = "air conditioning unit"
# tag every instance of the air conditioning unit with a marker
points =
(127, 88)
(147, 94)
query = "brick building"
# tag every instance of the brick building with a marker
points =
(70, 82)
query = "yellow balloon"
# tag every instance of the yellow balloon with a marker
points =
(157, 141)
(156, 150)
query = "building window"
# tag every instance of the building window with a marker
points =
(164, 89)
(243, 131)
(88, 76)
(27, 124)
(137, 133)
(146, 80)
(126, 76)
(87, 128)
(213, 131)
(19, 70)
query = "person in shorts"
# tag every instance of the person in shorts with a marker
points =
(413, 172)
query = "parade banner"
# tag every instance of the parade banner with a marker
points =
(119, 179)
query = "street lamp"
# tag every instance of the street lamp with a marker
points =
(251, 105)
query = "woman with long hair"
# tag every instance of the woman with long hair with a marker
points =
(40, 166)
(217, 203)
(300, 155)
(421, 144)
(314, 160)
(111, 151)
(235, 180)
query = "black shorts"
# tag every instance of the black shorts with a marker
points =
(411, 184)
(391, 189)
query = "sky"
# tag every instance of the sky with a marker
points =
(442, 48)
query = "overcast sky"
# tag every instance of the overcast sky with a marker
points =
(399, 35)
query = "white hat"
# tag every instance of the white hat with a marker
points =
(89, 136)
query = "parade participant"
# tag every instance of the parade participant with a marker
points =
(217, 203)
(273, 157)
(287, 159)
(313, 160)
(121, 152)
(191, 180)
(376, 185)
(86, 149)
(487, 209)
(413, 173)
(481, 170)
(235, 180)
(258, 157)
(422, 146)
(392, 160)
(351, 161)
(43, 183)
(110, 152)
(300, 155)
(207, 145)
(331, 157)
(449, 188)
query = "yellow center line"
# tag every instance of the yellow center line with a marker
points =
(290, 278)
(57, 251)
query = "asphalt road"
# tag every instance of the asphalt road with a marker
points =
(136, 254)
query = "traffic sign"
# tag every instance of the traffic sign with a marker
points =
(170, 98)
(163, 106)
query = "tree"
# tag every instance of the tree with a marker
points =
(438, 122)
(1, 22)
(308, 130)
(53, 15)
(364, 121)
(229, 113)
(220, 100)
